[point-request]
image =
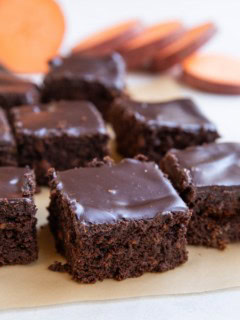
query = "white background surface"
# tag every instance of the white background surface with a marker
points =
(85, 16)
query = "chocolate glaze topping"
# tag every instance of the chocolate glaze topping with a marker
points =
(11, 182)
(108, 70)
(12, 85)
(74, 118)
(130, 190)
(180, 113)
(6, 136)
(211, 164)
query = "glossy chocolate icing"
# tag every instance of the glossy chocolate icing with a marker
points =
(130, 190)
(211, 164)
(6, 136)
(108, 70)
(73, 118)
(180, 113)
(11, 182)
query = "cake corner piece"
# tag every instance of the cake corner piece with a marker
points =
(16, 91)
(8, 148)
(207, 178)
(18, 233)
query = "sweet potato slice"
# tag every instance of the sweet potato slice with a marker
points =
(109, 39)
(141, 48)
(31, 33)
(183, 47)
(212, 73)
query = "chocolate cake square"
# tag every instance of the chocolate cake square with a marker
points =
(18, 238)
(208, 179)
(97, 79)
(62, 135)
(15, 91)
(8, 149)
(154, 128)
(117, 221)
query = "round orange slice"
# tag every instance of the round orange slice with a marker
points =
(142, 47)
(109, 39)
(183, 47)
(213, 73)
(31, 33)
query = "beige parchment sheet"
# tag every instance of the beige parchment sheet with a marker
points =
(34, 285)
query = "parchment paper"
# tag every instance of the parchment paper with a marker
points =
(35, 285)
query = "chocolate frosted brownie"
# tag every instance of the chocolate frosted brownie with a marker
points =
(98, 79)
(15, 91)
(154, 128)
(62, 135)
(208, 179)
(117, 221)
(18, 239)
(8, 150)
